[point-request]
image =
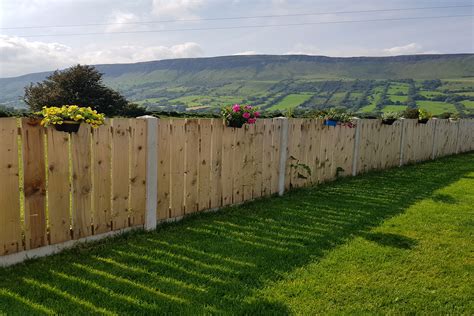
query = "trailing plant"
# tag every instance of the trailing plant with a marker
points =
(70, 113)
(424, 115)
(238, 115)
(303, 171)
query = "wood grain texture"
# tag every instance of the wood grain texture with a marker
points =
(34, 183)
(216, 162)
(58, 186)
(164, 165)
(81, 182)
(10, 232)
(102, 178)
(204, 175)
(138, 156)
(120, 172)
(177, 168)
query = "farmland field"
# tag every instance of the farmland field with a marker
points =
(436, 107)
(291, 101)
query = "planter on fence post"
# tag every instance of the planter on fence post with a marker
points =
(283, 155)
(151, 172)
(355, 151)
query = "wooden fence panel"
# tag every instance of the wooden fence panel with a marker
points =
(164, 169)
(315, 162)
(409, 141)
(192, 165)
(342, 165)
(59, 215)
(276, 131)
(424, 139)
(177, 137)
(216, 162)
(391, 135)
(267, 171)
(228, 136)
(81, 183)
(10, 232)
(34, 183)
(120, 172)
(138, 171)
(102, 178)
(205, 142)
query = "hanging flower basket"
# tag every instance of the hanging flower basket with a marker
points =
(68, 118)
(68, 127)
(238, 115)
(330, 122)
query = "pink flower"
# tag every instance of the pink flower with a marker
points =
(256, 114)
(236, 108)
(248, 107)
(251, 120)
(246, 115)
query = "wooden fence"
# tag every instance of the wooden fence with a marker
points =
(57, 187)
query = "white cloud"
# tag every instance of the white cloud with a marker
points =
(130, 54)
(177, 8)
(119, 21)
(20, 56)
(412, 48)
(248, 52)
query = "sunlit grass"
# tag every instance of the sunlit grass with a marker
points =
(389, 242)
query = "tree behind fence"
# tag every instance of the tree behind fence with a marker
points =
(56, 187)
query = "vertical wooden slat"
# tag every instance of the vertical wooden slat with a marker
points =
(120, 172)
(138, 154)
(316, 159)
(58, 186)
(216, 163)
(267, 170)
(177, 167)
(239, 145)
(227, 165)
(192, 165)
(81, 182)
(10, 225)
(276, 139)
(248, 164)
(204, 164)
(34, 183)
(164, 164)
(102, 181)
(258, 159)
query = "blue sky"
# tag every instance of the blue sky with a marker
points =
(20, 53)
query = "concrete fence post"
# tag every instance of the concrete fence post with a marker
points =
(433, 147)
(355, 150)
(151, 172)
(283, 155)
(402, 140)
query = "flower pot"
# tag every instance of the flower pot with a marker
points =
(235, 124)
(423, 121)
(68, 126)
(388, 121)
(330, 123)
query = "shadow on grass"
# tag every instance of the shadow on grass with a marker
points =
(215, 262)
(391, 240)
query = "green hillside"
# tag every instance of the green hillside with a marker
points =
(276, 82)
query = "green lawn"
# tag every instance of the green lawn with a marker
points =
(393, 242)
(290, 101)
(436, 107)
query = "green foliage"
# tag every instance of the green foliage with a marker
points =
(79, 85)
(411, 113)
(333, 114)
(391, 115)
(424, 115)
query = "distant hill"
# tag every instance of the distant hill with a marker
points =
(249, 77)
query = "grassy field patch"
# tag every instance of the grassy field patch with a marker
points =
(290, 101)
(436, 107)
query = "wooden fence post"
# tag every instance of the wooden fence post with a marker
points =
(402, 140)
(433, 148)
(283, 155)
(355, 151)
(151, 171)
